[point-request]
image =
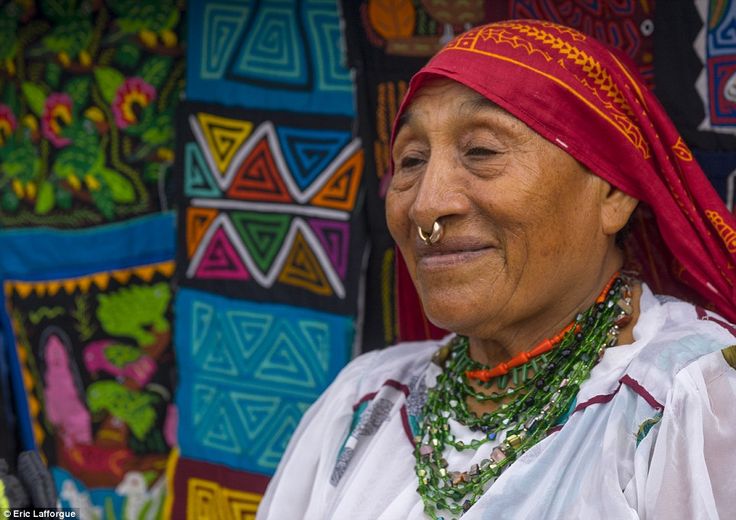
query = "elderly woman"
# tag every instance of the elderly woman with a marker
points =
(568, 389)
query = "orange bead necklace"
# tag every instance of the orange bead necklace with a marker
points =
(544, 346)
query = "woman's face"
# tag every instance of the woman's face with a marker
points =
(522, 225)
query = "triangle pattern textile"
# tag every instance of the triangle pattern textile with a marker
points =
(285, 363)
(224, 136)
(302, 269)
(273, 49)
(222, 26)
(198, 222)
(220, 260)
(335, 238)
(308, 152)
(198, 181)
(341, 190)
(248, 330)
(255, 411)
(258, 178)
(263, 234)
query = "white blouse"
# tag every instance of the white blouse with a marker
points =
(653, 435)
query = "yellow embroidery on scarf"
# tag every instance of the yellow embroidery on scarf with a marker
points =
(516, 41)
(729, 353)
(603, 84)
(590, 65)
(726, 232)
(681, 150)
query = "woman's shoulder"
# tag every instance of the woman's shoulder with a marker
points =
(674, 334)
(401, 363)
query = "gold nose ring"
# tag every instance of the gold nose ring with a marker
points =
(434, 236)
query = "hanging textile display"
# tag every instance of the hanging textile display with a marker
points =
(92, 362)
(88, 92)
(271, 241)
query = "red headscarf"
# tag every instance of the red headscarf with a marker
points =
(578, 94)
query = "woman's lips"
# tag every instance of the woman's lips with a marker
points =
(451, 252)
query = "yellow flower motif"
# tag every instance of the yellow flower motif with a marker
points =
(165, 154)
(64, 59)
(169, 38)
(73, 181)
(30, 121)
(94, 114)
(92, 183)
(85, 59)
(18, 188)
(148, 38)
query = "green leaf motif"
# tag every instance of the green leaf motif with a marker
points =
(104, 203)
(35, 96)
(78, 90)
(10, 97)
(45, 200)
(162, 131)
(63, 198)
(109, 80)
(53, 74)
(73, 161)
(121, 190)
(152, 171)
(155, 70)
(10, 201)
(127, 55)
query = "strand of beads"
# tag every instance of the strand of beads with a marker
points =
(534, 407)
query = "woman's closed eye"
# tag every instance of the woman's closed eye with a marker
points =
(480, 152)
(410, 161)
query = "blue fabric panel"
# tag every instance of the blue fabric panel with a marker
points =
(268, 55)
(247, 373)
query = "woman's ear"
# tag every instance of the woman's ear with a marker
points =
(616, 208)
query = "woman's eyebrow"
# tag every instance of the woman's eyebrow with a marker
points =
(479, 103)
(404, 119)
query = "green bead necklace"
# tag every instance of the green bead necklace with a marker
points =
(540, 399)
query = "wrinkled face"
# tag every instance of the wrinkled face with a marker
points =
(521, 218)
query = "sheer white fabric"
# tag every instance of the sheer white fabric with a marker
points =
(653, 436)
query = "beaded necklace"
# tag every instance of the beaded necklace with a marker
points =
(536, 404)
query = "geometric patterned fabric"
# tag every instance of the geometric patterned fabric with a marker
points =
(241, 52)
(214, 491)
(271, 240)
(696, 74)
(249, 373)
(267, 207)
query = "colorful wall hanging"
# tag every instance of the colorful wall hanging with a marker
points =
(88, 91)
(97, 364)
(247, 374)
(213, 491)
(271, 241)
(269, 207)
(240, 53)
(87, 324)
(696, 73)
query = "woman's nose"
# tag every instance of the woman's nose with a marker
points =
(440, 192)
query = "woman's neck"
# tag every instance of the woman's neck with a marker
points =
(510, 343)
(625, 337)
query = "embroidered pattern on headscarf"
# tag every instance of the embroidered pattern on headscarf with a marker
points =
(612, 104)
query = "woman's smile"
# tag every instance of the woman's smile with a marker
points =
(453, 252)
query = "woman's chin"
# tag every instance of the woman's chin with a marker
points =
(460, 318)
